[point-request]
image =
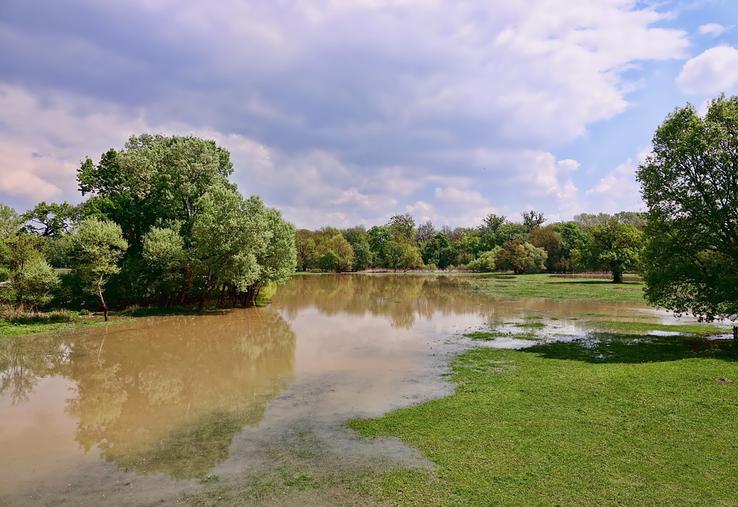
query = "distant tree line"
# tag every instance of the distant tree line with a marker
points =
(162, 225)
(589, 242)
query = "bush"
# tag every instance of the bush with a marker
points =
(521, 257)
(15, 316)
(486, 262)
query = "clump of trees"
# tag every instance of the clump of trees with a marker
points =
(609, 243)
(690, 185)
(161, 225)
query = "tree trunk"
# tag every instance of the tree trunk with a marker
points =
(735, 332)
(102, 300)
(617, 276)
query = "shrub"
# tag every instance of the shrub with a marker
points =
(521, 257)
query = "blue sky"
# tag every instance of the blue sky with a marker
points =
(343, 112)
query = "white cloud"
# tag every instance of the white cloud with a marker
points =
(712, 29)
(342, 112)
(712, 71)
(618, 190)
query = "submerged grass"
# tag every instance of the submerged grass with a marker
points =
(635, 327)
(621, 422)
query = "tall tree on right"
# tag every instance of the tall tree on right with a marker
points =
(690, 185)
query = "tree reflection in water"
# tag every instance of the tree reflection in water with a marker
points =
(166, 395)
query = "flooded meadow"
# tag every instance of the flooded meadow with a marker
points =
(163, 409)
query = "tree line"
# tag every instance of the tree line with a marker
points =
(162, 225)
(589, 242)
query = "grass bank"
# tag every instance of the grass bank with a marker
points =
(633, 422)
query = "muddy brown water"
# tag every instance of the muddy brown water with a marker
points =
(148, 411)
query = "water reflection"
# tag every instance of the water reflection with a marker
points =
(404, 298)
(166, 395)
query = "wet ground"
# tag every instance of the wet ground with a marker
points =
(168, 407)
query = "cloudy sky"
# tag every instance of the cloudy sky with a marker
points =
(348, 111)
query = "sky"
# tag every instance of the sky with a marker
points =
(345, 112)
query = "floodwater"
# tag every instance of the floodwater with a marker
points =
(148, 411)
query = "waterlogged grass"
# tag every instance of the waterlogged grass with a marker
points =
(552, 287)
(650, 421)
(493, 335)
(696, 328)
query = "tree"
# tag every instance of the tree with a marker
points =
(521, 257)
(532, 219)
(379, 235)
(690, 186)
(97, 247)
(402, 227)
(153, 180)
(359, 241)
(227, 236)
(330, 261)
(550, 240)
(35, 283)
(165, 256)
(278, 258)
(10, 222)
(574, 245)
(438, 251)
(615, 247)
(50, 220)
(402, 255)
(306, 249)
(425, 232)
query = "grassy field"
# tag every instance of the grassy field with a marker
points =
(553, 287)
(626, 422)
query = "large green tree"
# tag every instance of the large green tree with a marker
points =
(152, 181)
(690, 185)
(97, 246)
(615, 247)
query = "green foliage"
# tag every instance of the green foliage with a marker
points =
(438, 251)
(402, 228)
(154, 180)
(532, 219)
(51, 220)
(329, 261)
(574, 244)
(359, 241)
(226, 237)
(165, 256)
(278, 258)
(10, 222)
(37, 282)
(615, 247)
(486, 262)
(97, 246)
(690, 262)
(402, 255)
(521, 257)
(550, 240)
(379, 235)
(634, 218)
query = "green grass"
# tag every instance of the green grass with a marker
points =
(552, 287)
(623, 422)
